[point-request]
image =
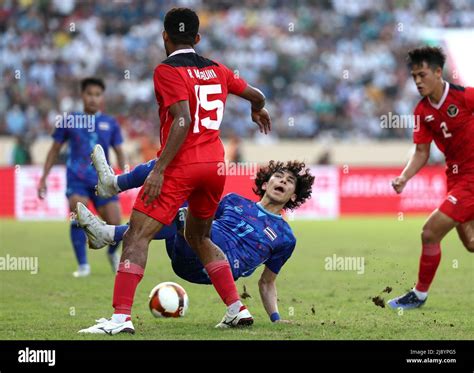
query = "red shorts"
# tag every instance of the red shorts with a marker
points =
(201, 184)
(459, 203)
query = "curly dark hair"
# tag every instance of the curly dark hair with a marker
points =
(304, 180)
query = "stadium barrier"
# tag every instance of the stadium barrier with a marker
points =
(338, 191)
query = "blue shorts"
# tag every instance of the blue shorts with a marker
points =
(185, 262)
(86, 189)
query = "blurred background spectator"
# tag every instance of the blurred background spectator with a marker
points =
(328, 68)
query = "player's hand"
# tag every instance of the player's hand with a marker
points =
(42, 189)
(152, 186)
(398, 184)
(262, 119)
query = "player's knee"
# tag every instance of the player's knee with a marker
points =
(429, 236)
(193, 240)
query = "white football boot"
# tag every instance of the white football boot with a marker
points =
(242, 319)
(83, 270)
(106, 186)
(99, 233)
(107, 326)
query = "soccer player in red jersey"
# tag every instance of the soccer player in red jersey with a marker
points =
(444, 115)
(191, 92)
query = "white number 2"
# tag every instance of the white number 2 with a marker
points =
(202, 93)
(444, 127)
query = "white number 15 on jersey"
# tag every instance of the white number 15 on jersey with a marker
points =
(202, 93)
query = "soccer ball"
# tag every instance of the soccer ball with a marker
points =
(168, 299)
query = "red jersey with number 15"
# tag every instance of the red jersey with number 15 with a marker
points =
(185, 75)
(450, 123)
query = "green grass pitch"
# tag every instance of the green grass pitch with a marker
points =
(322, 304)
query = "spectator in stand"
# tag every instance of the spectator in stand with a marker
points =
(328, 68)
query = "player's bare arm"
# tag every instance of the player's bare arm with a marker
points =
(268, 293)
(260, 115)
(415, 164)
(50, 160)
(121, 159)
(179, 130)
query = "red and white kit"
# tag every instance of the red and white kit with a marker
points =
(450, 123)
(193, 174)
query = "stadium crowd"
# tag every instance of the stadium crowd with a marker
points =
(328, 68)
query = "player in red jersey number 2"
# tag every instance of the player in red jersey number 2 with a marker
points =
(191, 92)
(444, 115)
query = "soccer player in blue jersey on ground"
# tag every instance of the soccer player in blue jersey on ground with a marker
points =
(249, 233)
(83, 131)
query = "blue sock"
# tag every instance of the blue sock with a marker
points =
(119, 232)
(136, 177)
(113, 248)
(168, 231)
(78, 239)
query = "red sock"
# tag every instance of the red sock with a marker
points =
(429, 261)
(127, 279)
(221, 277)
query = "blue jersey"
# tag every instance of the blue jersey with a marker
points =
(82, 134)
(248, 235)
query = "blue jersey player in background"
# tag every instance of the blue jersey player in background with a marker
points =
(82, 131)
(250, 233)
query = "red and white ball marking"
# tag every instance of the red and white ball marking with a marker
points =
(168, 299)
